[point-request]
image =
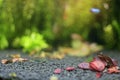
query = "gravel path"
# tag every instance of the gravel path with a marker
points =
(42, 69)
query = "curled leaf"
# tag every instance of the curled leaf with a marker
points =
(97, 65)
(70, 68)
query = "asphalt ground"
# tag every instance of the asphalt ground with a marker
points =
(43, 68)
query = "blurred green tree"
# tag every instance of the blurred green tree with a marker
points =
(57, 20)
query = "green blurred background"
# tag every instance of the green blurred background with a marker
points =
(38, 24)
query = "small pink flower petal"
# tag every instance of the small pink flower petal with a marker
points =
(70, 68)
(84, 65)
(98, 74)
(57, 71)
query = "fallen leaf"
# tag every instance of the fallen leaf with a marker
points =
(101, 64)
(70, 68)
(19, 59)
(113, 69)
(5, 61)
(57, 71)
(98, 74)
(84, 65)
(97, 65)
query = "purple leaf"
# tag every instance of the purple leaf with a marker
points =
(84, 65)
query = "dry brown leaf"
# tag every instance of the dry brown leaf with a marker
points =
(5, 61)
(19, 59)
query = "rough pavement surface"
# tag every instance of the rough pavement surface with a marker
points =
(42, 69)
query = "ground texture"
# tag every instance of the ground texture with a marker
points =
(42, 69)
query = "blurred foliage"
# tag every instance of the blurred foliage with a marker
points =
(4, 42)
(32, 42)
(109, 36)
(56, 20)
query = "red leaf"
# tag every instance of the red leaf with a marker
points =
(97, 65)
(98, 74)
(70, 68)
(100, 63)
(113, 69)
(57, 71)
(84, 65)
